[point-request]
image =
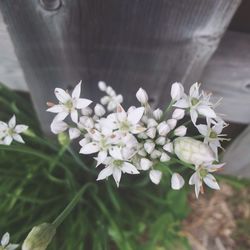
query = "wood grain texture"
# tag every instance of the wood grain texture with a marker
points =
(227, 75)
(237, 155)
(11, 72)
(125, 43)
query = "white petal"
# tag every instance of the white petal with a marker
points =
(20, 128)
(177, 181)
(117, 173)
(74, 115)
(129, 168)
(3, 126)
(5, 239)
(142, 96)
(62, 95)
(12, 122)
(145, 164)
(155, 176)
(58, 127)
(90, 148)
(56, 108)
(180, 131)
(206, 111)
(77, 91)
(211, 182)
(202, 129)
(101, 157)
(194, 90)
(18, 138)
(135, 116)
(74, 133)
(7, 140)
(116, 153)
(215, 167)
(82, 103)
(84, 141)
(106, 172)
(169, 147)
(194, 116)
(136, 129)
(12, 247)
(182, 103)
(61, 116)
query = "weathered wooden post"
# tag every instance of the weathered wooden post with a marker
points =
(126, 43)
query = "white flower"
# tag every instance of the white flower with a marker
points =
(86, 122)
(155, 154)
(151, 123)
(180, 131)
(212, 135)
(193, 151)
(160, 140)
(155, 176)
(177, 181)
(145, 164)
(69, 104)
(158, 114)
(177, 91)
(163, 128)
(201, 174)
(99, 110)
(169, 147)
(5, 243)
(11, 131)
(178, 114)
(86, 111)
(142, 96)
(116, 166)
(197, 103)
(126, 122)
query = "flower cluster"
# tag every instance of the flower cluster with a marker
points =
(10, 131)
(141, 138)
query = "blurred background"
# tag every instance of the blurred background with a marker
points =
(55, 43)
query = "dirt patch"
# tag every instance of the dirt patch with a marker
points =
(219, 220)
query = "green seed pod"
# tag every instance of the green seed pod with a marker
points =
(63, 139)
(39, 237)
(193, 151)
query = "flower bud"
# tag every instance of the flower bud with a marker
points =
(74, 133)
(110, 91)
(102, 86)
(158, 114)
(142, 135)
(193, 151)
(177, 91)
(155, 154)
(39, 237)
(169, 147)
(151, 123)
(105, 100)
(155, 176)
(99, 110)
(63, 139)
(87, 111)
(160, 140)
(86, 122)
(172, 123)
(142, 96)
(178, 114)
(163, 128)
(145, 164)
(177, 181)
(151, 132)
(164, 157)
(149, 147)
(142, 152)
(180, 131)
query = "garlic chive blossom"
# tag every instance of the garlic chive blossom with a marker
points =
(136, 140)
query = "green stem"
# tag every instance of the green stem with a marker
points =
(61, 217)
(167, 109)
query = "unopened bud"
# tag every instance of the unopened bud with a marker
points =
(151, 123)
(180, 131)
(142, 96)
(163, 128)
(149, 147)
(193, 151)
(151, 132)
(164, 157)
(63, 139)
(158, 114)
(102, 86)
(178, 114)
(160, 140)
(177, 91)
(145, 164)
(172, 123)
(99, 110)
(177, 181)
(39, 237)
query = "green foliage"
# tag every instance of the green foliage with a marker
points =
(38, 179)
